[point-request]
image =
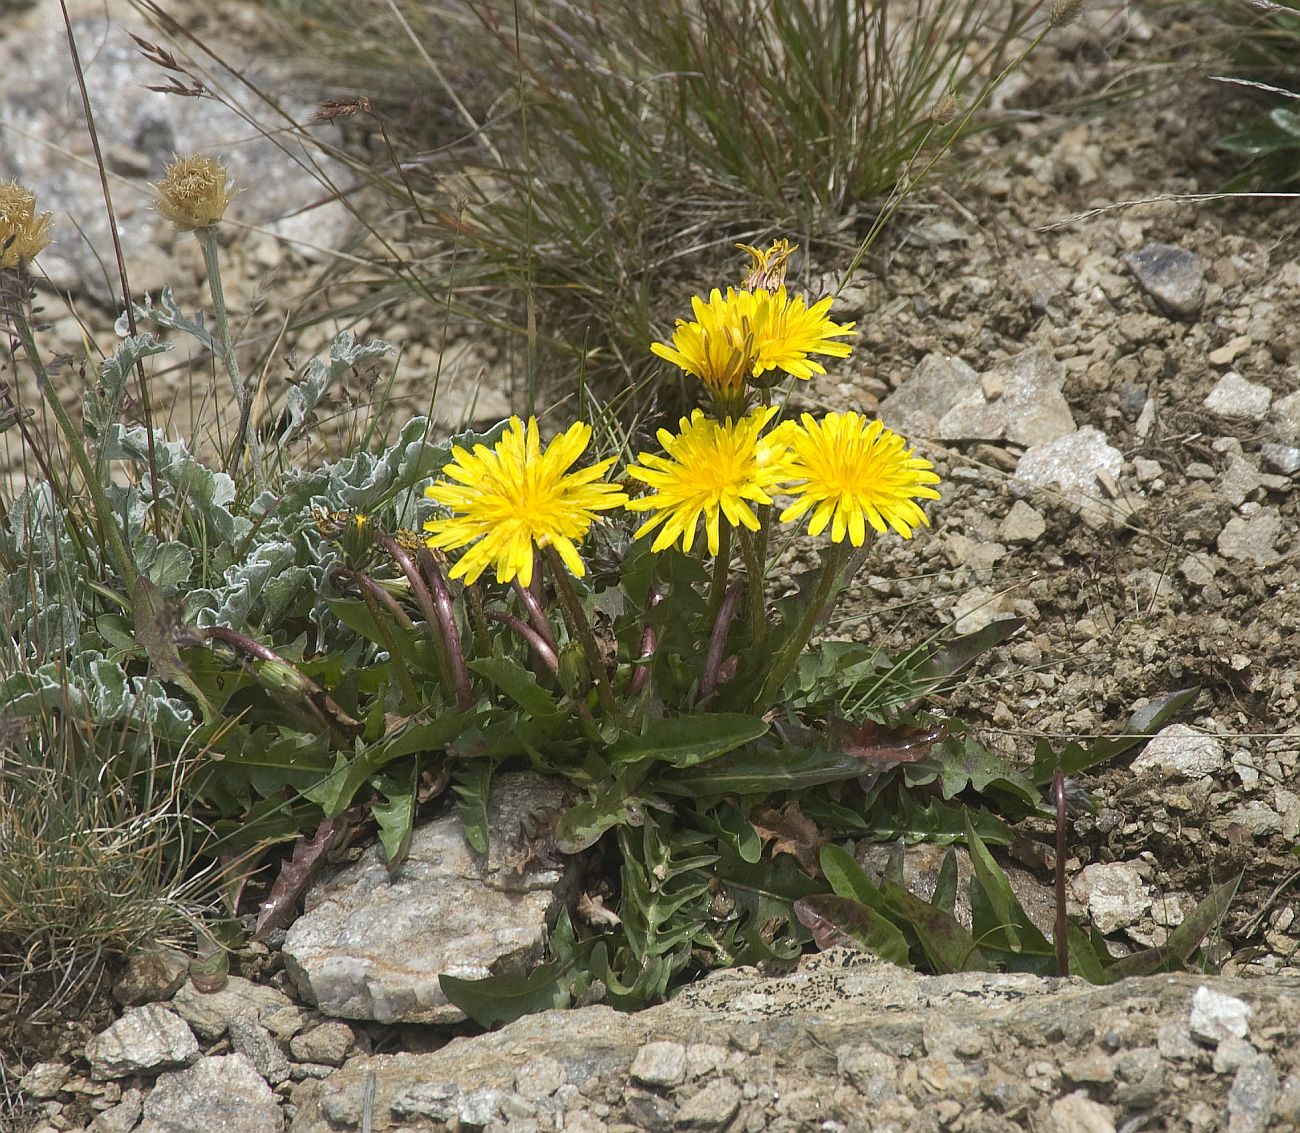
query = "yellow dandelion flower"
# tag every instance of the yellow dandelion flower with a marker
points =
(718, 347)
(712, 470)
(787, 331)
(743, 334)
(517, 496)
(22, 233)
(767, 269)
(195, 192)
(854, 472)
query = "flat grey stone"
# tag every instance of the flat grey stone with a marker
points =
(1022, 526)
(371, 947)
(1181, 750)
(1173, 277)
(1234, 396)
(209, 1012)
(710, 1107)
(215, 1095)
(659, 1064)
(1286, 414)
(1283, 459)
(937, 383)
(1028, 409)
(1240, 480)
(329, 1043)
(144, 1039)
(1253, 1096)
(249, 1038)
(1252, 539)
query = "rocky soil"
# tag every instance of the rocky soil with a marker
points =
(1112, 395)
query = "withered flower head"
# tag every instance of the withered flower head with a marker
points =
(22, 232)
(767, 271)
(195, 192)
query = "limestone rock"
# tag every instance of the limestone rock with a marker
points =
(1173, 277)
(1233, 396)
(1180, 750)
(1072, 464)
(215, 1095)
(1114, 892)
(934, 387)
(835, 1041)
(1028, 407)
(368, 947)
(144, 1039)
(1216, 1016)
(209, 1012)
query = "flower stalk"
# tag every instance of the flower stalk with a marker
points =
(829, 584)
(119, 554)
(580, 627)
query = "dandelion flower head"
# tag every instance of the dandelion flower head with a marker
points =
(508, 500)
(23, 234)
(195, 192)
(741, 335)
(712, 470)
(853, 472)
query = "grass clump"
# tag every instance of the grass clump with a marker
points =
(605, 146)
(1263, 42)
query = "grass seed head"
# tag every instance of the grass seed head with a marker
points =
(1064, 12)
(945, 110)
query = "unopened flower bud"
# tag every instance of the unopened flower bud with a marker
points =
(22, 232)
(195, 192)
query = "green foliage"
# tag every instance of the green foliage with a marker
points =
(289, 638)
(1264, 44)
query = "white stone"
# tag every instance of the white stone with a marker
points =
(215, 1095)
(1072, 464)
(144, 1039)
(1215, 1016)
(371, 947)
(1234, 396)
(1180, 750)
(1114, 892)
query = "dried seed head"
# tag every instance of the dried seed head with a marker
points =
(1064, 12)
(195, 193)
(22, 232)
(767, 271)
(946, 109)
